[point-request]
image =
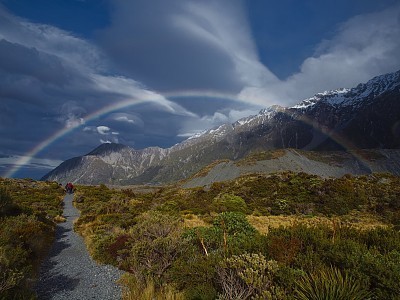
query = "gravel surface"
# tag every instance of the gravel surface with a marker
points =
(69, 272)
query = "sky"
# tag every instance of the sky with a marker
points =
(78, 73)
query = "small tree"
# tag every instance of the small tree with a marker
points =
(231, 233)
(229, 202)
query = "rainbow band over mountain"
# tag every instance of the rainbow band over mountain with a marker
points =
(27, 157)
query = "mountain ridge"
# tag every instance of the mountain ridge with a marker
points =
(366, 117)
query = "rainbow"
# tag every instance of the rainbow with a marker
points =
(148, 97)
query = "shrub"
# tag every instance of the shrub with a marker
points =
(284, 249)
(27, 210)
(200, 270)
(233, 223)
(231, 233)
(5, 202)
(7, 205)
(155, 244)
(229, 202)
(10, 274)
(248, 276)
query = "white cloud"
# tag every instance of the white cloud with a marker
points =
(87, 128)
(224, 25)
(104, 130)
(198, 125)
(110, 139)
(235, 115)
(51, 40)
(364, 46)
(73, 122)
(189, 134)
(124, 119)
(135, 93)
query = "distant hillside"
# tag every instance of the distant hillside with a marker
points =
(364, 117)
(321, 163)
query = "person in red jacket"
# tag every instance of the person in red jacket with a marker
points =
(69, 188)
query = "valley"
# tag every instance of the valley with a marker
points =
(293, 203)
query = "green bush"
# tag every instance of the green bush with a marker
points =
(231, 233)
(370, 256)
(201, 270)
(229, 202)
(248, 276)
(155, 244)
(233, 223)
(13, 268)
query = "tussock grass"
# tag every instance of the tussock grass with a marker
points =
(59, 219)
(330, 284)
(204, 172)
(131, 291)
(362, 221)
(191, 221)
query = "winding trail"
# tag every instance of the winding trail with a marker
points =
(69, 272)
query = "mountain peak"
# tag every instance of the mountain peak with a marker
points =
(352, 97)
(332, 96)
(107, 148)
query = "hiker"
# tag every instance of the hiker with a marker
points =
(69, 188)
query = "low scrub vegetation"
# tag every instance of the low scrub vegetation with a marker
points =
(331, 237)
(28, 210)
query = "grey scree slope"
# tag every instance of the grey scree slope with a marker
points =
(69, 272)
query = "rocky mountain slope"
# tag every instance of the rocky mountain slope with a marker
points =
(321, 163)
(364, 117)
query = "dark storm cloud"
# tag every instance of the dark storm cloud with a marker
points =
(18, 59)
(174, 45)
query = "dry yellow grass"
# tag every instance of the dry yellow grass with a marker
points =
(59, 219)
(204, 172)
(358, 220)
(190, 221)
(132, 292)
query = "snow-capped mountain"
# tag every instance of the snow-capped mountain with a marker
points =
(366, 116)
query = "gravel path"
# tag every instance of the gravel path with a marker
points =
(69, 272)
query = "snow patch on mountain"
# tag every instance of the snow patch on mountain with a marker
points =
(354, 96)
